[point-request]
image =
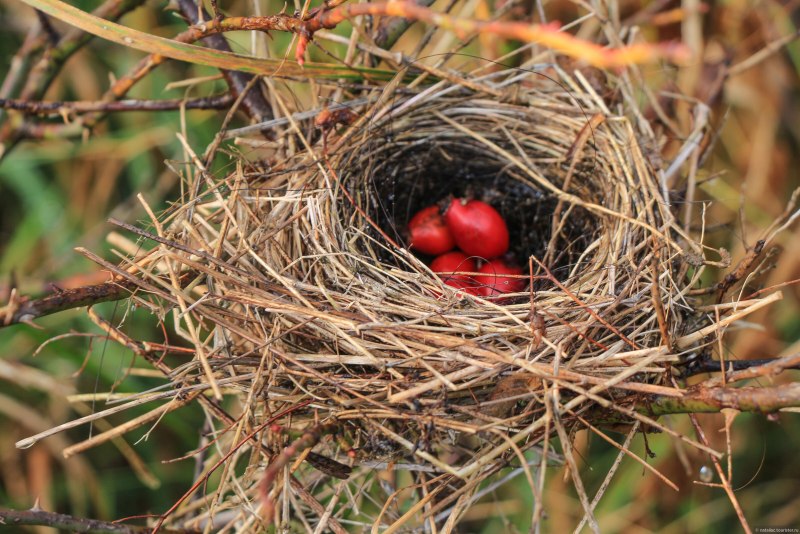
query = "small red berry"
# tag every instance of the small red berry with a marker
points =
(494, 279)
(478, 228)
(429, 233)
(452, 262)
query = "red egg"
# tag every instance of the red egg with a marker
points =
(478, 228)
(452, 262)
(429, 233)
(494, 279)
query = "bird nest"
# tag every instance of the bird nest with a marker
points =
(355, 373)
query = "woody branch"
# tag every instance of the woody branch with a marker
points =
(547, 34)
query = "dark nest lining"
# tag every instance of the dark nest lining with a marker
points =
(398, 172)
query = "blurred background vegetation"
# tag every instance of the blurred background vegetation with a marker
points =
(56, 194)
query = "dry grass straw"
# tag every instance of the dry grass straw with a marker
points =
(310, 318)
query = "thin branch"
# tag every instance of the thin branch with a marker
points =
(48, 67)
(11, 518)
(726, 483)
(767, 369)
(24, 311)
(763, 54)
(40, 75)
(709, 365)
(715, 399)
(548, 35)
(254, 104)
(58, 108)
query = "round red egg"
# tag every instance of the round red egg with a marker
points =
(452, 262)
(429, 233)
(494, 279)
(478, 229)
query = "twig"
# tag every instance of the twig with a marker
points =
(253, 103)
(548, 35)
(11, 518)
(299, 116)
(39, 77)
(726, 483)
(768, 368)
(714, 399)
(610, 474)
(57, 108)
(759, 367)
(626, 451)
(764, 53)
(45, 71)
(746, 265)
(20, 65)
(67, 299)
(574, 471)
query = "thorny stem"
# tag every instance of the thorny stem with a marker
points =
(714, 399)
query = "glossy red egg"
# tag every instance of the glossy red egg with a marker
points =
(452, 262)
(478, 229)
(494, 279)
(429, 233)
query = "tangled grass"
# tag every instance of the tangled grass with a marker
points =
(345, 383)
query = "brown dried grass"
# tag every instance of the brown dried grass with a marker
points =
(311, 318)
